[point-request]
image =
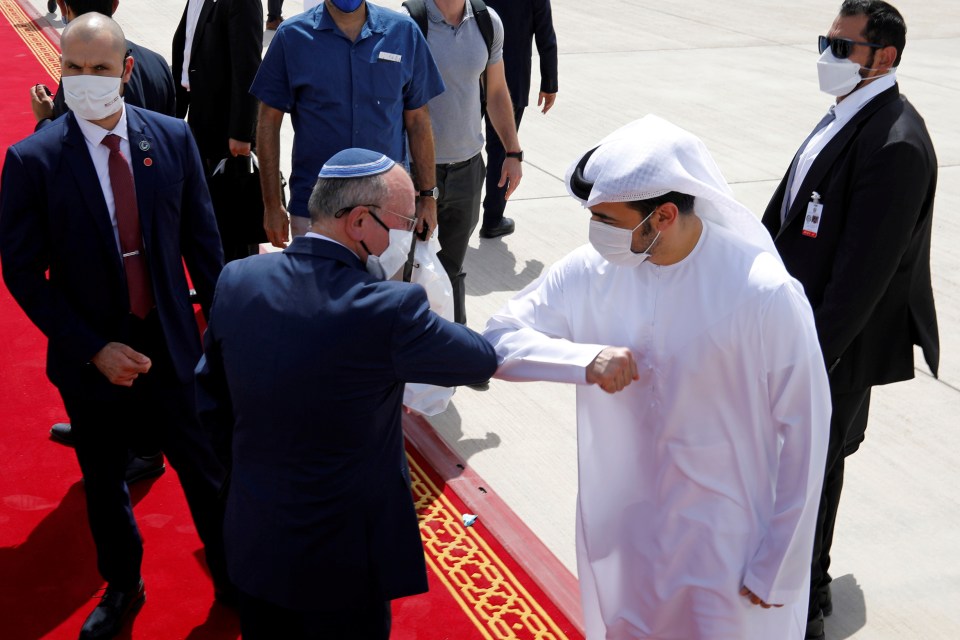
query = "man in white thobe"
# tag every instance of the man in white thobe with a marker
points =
(702, 397)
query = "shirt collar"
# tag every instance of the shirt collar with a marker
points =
(314, 234)
(95, 134)
(856, 100)
(433, 13)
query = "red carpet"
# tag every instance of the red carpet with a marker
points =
(47, 565)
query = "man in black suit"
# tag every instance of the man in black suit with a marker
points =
(98, 212)
(852, 220)
(150, 86)
(523, 20)
(216, 54)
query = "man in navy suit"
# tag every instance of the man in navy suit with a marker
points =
(150, 86)
(320, 530)
(98, 212)
(852, 220)
(523, 21)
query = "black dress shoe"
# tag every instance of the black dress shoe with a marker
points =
(815, 630)
(62, 432)
(480, 386)
(51, 6)
(115, 607)
(143, 467)
(504, 228)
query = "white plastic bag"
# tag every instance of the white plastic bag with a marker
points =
(429, 274)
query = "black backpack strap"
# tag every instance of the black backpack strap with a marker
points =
(484, 23)
(418, 11)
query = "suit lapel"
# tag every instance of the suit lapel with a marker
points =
(204, 16)
(81, 165)
(143, 157)
(828, 156)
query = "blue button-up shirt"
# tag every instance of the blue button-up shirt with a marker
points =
(343, 94)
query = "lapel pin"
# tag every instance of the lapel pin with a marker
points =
(144, 145)
(147, 162)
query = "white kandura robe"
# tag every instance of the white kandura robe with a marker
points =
(705, 474)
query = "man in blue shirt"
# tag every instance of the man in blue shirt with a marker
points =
(351, 74)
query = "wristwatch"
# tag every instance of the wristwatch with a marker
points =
(516, 154)
(429, 193)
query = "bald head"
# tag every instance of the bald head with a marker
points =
(94, 30)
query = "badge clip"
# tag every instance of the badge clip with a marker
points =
(811, 223)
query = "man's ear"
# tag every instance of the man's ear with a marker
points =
(884, 58)
(665, 216)
(128, 63)
(357, 223)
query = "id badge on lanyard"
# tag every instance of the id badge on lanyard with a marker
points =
(811, 223)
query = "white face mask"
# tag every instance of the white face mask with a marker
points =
(614, 243)
(92, 97)
(389, 263)
(840, 77)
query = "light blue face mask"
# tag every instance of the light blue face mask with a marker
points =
(347, 6)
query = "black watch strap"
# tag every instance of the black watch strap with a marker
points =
(516, 154)
(429, 193)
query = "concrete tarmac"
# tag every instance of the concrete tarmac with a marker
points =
(742, 76)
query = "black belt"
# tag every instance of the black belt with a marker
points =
(454, 165)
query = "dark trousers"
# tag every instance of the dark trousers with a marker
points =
(274, 8)
(458, 211)
(108, 420)
(262, 620)
(849, 420)
(494, 200)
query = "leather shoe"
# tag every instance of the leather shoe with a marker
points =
(62, 432)
(52, 6)
(273, 23)
(143, 467)
(480, 386)
(815, 630)
(503, 228)
(108, 618)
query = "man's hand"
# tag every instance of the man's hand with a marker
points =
(238, 148)
(276, 223)
(547, 100)
(426, 213)
(120, 364)
(40, 102)
(752, 597)
(613, 369)
(511, 175)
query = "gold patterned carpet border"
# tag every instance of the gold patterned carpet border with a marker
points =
(32, 36)
(477, 578)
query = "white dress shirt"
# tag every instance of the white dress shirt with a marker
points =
(100, 154)
(193, 16)
(844, 112)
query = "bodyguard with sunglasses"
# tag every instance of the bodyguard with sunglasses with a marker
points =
(852, 220)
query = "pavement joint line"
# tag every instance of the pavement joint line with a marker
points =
(938, 380)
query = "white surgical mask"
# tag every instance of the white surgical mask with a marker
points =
(838, 77)
(92, 97)
(388, 263)
(613, 243)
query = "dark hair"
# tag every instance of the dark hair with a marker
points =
(81, 7)
(683, 202)
(885, 25)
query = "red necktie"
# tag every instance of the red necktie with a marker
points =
(128, 226)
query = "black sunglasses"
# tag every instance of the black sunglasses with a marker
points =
(842, 47)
